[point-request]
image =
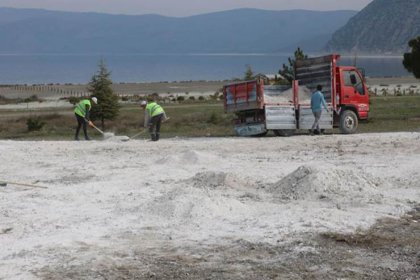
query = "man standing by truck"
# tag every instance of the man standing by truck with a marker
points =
(317, 101)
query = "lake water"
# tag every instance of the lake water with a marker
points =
(76, 68)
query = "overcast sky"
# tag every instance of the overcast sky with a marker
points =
(182, 7)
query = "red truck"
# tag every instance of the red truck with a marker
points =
(284, 109)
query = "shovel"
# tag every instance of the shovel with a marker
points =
(134, 136)
(105, 134)
(165, 118)
(4, 184)
(138, 134)
(92, 125)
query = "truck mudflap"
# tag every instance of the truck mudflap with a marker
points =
(250, 129)
(280, 117)
(306, 118)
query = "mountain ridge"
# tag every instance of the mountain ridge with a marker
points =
(239, 31)
(382, 27)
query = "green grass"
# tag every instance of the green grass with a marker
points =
(196, 119)
(186, 120)
(393, 113)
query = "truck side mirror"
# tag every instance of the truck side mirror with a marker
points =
(353, 79)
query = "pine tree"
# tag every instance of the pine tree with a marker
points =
(100, 86)
(288, 71)
(249, 74)
(411, 60)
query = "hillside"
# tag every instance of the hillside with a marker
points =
(239, 31)
(384, 26)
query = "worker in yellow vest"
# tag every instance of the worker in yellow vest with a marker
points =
(82, 115)
(153, 117)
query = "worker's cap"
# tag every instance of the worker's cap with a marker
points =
(95, 100)
(143, 103)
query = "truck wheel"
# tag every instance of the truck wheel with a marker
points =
(284, 132)
(348, 122)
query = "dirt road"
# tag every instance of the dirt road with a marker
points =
(302, 207)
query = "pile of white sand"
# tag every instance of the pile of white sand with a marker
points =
(217, 180)
(286, 96)
(328, 182)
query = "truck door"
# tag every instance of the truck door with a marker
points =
(354, 91)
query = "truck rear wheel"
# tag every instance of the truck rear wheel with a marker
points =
(284, 132)
(348, 122)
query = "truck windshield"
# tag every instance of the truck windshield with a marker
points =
(352, 79)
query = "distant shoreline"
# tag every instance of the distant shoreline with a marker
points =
(186, 88)
(406, 78)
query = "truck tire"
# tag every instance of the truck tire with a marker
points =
(348, 122)
(284, 132)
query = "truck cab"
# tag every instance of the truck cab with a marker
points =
(353, 92)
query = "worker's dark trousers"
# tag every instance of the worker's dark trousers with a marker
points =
(80, 122)
(315, 126)
(154, 128)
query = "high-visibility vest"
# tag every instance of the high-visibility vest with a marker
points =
(81, 107)
(154, 109)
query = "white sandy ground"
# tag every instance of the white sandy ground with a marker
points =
(108, 199)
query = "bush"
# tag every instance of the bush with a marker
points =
(153, 97)
(3, 100)
(74, 100)
(215, 96)
(34, 124)
(180, 98)
(32, 98)
(214, 118)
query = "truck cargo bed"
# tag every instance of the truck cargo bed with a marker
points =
(252, 95)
